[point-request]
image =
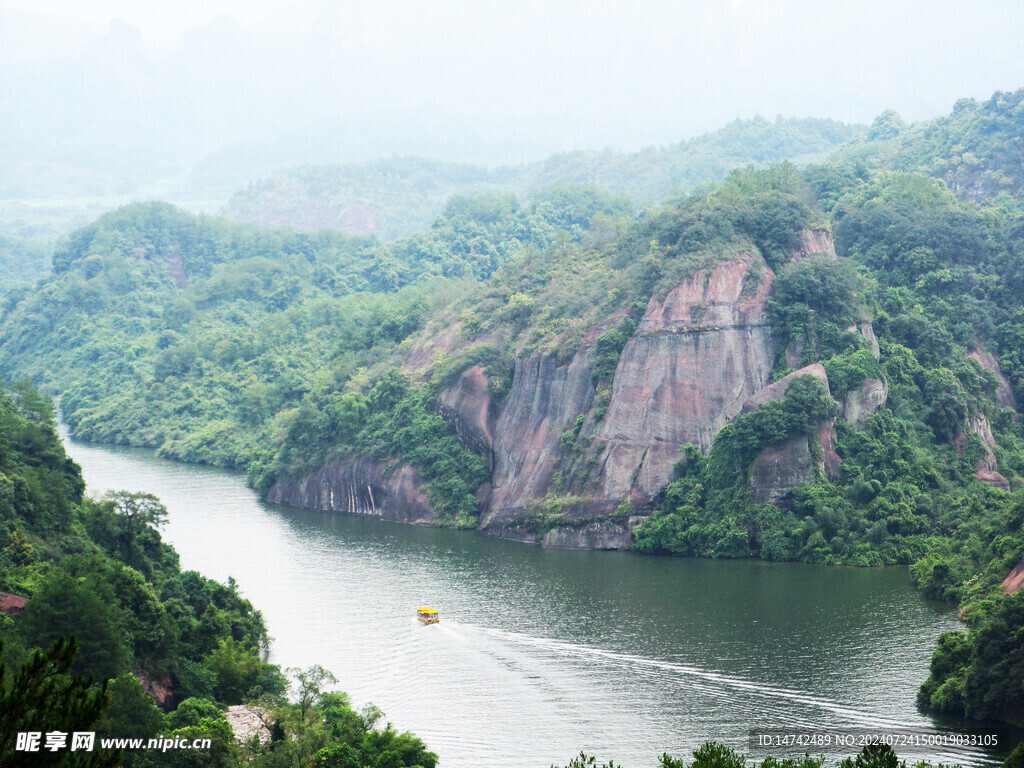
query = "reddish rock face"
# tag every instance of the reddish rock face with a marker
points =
(986, 468)
(779, 469)
(1015, 580)
(815, 241)
(545, 401)
(777, 389)
(11, 603)
(696, 357)
(700, 356)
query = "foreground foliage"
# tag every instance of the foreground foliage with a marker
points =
(715, 755)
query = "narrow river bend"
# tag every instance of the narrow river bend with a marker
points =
(542, 653)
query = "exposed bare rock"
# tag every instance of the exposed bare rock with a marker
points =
(696, 356)
(868, 332)
(246, 723)
(467, 405)
(159, 688)
(358, 487)
(1004, 393)
(978, 424)
(815, 241)
(513, 532)
(1015, 580)
(831, 464)
(777, 389)
(11, 604)
(544, 402)
(867, 400)
(778, 470)
(993, 478)
(986, 468)
(602, 534)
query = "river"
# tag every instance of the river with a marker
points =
(541, 653)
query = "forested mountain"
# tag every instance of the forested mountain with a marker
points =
(819, 364)
(397, 197)
(977, 150)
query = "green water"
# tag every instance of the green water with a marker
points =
(542, 653)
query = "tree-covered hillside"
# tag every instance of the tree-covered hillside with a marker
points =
(402, 195)
(977, 150)
(883, 379)
(112, 627)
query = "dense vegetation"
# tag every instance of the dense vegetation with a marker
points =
(97, 572)
(277, 351)
(976, 150)
(23, 260)
(714, 755)
(219, 342)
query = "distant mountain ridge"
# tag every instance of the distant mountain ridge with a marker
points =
(397, 196)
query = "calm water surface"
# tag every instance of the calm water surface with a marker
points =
(542, 653)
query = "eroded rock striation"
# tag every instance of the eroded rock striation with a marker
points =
(469, 407)
(362, 487)
(697, 355)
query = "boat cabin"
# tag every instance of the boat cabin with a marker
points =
(427, 615)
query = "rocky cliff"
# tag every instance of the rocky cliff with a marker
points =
(779, 469)
(469, 407)
(697, 355)
(576, 467)
(359, 487)
(986, 467)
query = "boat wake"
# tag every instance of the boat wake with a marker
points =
(668, 670)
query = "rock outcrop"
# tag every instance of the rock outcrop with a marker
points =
(468, 406)
(864, 401)
(815, 241)
(601, 534)
(545, 401)
(777, 389)
(247, 723)
(1004, 392)
(1015, 580)
(697, 355)
(986, 468)
(777, 470)
(360, 487)
(700, 355)
(11, 604)
(161, 688)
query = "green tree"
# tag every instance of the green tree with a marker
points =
(85, 608)
(41, 697)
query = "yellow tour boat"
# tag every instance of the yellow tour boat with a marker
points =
(426, 614)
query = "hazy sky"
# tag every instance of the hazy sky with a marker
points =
(522, 78)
